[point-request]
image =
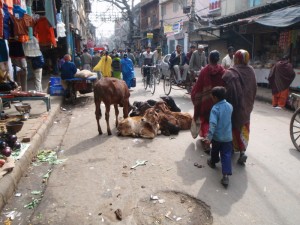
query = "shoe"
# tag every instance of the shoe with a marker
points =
(225, 181)
(278, 107)
(211, 164)
(242, 160)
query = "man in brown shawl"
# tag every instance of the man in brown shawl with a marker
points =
(280, 78)
(241, 88)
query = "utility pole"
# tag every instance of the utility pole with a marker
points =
(67, 7)
(192, 19)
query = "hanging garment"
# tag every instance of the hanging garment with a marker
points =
(18, 11)
(32, 48)
(15, 49)
(50, 12)
(10, 4)
(21, 25)
(3, 51)
(44, 32)
(6, 21)
(61, 30)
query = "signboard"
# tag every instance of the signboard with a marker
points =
(176, 27)
(168, 29)
(214, 5)
(150, 35)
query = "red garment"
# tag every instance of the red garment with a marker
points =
(21, 25)
(44, 32)
(210, 76)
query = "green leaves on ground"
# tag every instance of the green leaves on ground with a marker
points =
(49, 156)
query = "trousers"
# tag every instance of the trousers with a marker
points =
(177, 68)
(223, 149)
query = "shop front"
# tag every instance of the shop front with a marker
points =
(276, 35)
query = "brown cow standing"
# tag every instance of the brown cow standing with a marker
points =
(111, 91)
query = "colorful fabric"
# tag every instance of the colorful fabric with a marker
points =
(241, 137)
(104, 66)
(21, 25)
(44, 32)
(241, 57)
(50, 13)
(127, 71)
(280, 98)
(10, 4)
(241, 91)
(210, 76)
(6, 22)
(281, 76)
(117, 74)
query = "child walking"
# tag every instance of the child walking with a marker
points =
(220, 133)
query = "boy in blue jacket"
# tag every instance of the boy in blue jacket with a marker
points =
(220, 133)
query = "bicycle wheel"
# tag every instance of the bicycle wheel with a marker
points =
(152, 83)
(295, 129)
(145, 82)
(167, 85)
(158, 75)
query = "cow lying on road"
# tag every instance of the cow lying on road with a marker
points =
(146, 126)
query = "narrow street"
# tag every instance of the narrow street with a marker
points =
(96, 179)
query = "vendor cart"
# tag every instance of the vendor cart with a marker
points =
(295, 125)
(82, 85)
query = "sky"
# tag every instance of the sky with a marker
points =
(104, 28)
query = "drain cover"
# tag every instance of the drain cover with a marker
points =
(170, 207)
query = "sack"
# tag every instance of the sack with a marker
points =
(195, 128)
(84, 74)
(133, 82)
(37, 62)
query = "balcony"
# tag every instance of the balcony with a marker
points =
(150, 23)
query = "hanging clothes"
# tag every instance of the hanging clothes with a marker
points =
(44, 32)
(18, 11)
(21, 25)
(6, 21)
(3, 51)
(16, 49)
(50, 12)
(10, 4)
(32, 48)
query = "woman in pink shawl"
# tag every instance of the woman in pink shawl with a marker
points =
(241, 90)
(210, 76)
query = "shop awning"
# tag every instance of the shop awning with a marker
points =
(281, 18)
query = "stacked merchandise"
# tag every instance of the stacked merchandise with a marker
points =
(56, 89)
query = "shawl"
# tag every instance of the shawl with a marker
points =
(281, 76)
(210, 76)
(241, 90)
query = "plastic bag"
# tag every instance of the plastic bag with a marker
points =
(195, 128)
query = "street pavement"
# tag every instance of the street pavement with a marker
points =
(96, 178)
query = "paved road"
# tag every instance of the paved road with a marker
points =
(96, 178)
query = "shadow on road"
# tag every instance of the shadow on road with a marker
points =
(295, 153)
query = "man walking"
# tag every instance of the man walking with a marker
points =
(86, 60)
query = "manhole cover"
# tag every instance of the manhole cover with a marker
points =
(169, 207)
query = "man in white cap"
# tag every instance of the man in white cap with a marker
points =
(198, 59)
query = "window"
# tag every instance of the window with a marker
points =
(253, 3)
(163, 10)
(175, 6)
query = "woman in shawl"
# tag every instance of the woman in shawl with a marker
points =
(241, 90)
(104, 65)
(127, 70)
(116, 66)
(210, 76)
(280, 78)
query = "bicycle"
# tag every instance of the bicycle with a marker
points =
(170, 80)
(150, 78)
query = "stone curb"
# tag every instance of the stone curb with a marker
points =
(9, 182)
